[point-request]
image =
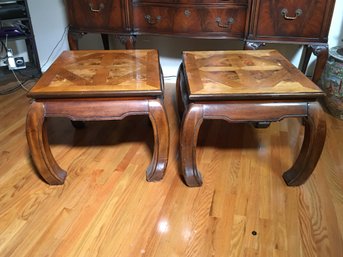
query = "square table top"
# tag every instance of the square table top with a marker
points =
(235, 75)
(101, 73)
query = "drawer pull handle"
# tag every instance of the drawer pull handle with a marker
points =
(228, 24)
(101, 7)
(152, 20)
(187, 13)
(284, 13)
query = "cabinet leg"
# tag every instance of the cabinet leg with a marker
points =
(321, 51)
(73, 41)
(105, 41)
(314, 138)
(128, 41)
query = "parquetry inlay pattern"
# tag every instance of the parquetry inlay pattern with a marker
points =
(76, 72)
(243, 72)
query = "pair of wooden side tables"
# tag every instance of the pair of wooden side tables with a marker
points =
(237, 86)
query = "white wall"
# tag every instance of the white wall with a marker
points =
(49, 22)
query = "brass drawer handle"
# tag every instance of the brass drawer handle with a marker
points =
(187, 13)
(152, 20)
(228, 24)
(284, 13)
(101, 7)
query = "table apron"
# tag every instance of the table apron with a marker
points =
(256, 111)
(96, 110)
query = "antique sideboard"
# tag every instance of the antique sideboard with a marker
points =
(256, 22)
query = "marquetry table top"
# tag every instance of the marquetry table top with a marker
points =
(100, 73)
(244, 74)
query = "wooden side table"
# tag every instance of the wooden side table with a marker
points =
(247, 86)
(98, 85)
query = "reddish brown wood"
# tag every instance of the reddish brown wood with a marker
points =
(321, 51)
(159, 123)
(290, 21)
(188, 141)
(95, 15)
(305, 22)
(39, 146)
(129, 83)
(314, 138)
(73, 42)
(256, 87)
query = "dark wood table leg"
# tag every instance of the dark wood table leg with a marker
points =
(265, 112)
(159, 121)
(105, 41)
(39, 146)
(314, 138)
(72, 40)
(94, 110)
(191, 123)
(181, 96)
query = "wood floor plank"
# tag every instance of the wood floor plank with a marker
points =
(106, 207)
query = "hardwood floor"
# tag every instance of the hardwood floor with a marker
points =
(106, 208)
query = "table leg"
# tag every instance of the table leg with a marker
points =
(39, 146)
(159, 123)
(314, 138)
(190, 126)
(180, 94)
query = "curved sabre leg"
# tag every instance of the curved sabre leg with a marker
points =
(39, 146)
(159, 121)
(314, 138)
(188, 141)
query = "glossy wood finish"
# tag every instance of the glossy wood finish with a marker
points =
(286, 20)
(255, 87)
(97, 15)
(101, 74)
(226, 22)
(98, 85)
(302, 21)
(256, 22)
(106, 208)
(244, 74)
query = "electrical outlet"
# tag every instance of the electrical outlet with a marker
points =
(15, 63)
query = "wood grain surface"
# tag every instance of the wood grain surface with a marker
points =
(101, 73)
(242, 74)
(106, 208)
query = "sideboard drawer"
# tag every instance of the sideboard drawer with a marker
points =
(198, 2)
(291, 19)
(224, 21)
(95, 15)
